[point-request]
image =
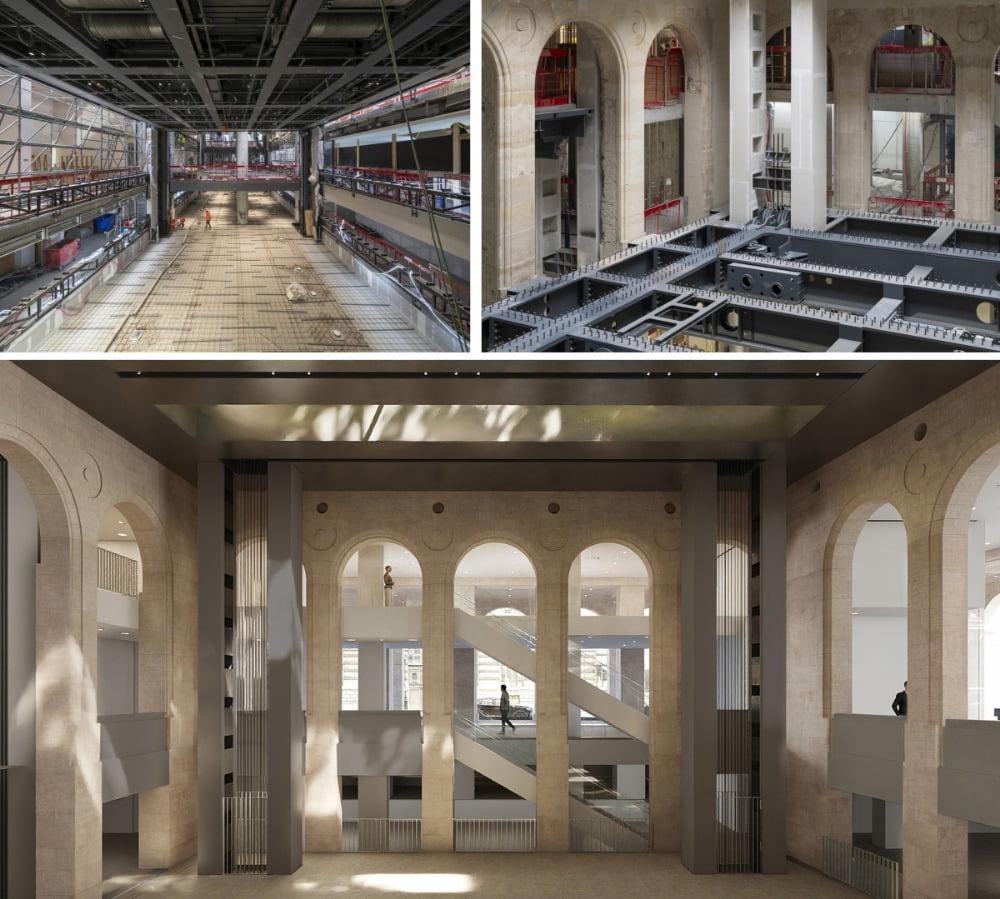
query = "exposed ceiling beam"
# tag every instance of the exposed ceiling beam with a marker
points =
(299, 22)
(417, 28)
(167, 71)
(175, 28)
(69, 40)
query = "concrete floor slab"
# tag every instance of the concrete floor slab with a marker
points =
(226, 289)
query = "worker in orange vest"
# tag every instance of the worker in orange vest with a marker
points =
(208, 219)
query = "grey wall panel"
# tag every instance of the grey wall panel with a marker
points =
(127, 735)
(211, 647)
(285, 671)
(773, 541)
(116, 678)
(972, 746)
(134, 774)
(376, 743)
(969, 796)
(699, 721)
(875, 736)
(865, 775)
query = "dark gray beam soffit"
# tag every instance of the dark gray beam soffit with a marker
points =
(856, 398)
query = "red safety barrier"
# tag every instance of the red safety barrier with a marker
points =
(897, 69)
(912, 208)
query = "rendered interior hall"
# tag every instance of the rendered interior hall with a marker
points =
(220, 177)
(254, 613)
(753, 175)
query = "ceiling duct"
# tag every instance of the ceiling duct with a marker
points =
(129, 6)
(344, 26)
(124, 28)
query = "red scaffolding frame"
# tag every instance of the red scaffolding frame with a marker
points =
(555, 77)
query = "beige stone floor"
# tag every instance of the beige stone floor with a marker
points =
(624, 876)
(224, 290)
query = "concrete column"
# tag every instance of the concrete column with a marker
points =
(665, 686)
(438, 780)
(588, 173)
(371, 569)
(630, 781)
(773, 575)
(809, 82)
(161, 197)
(935, 845)
(465, 782)
(286, 734)
(887, 824)
(699, 719)
(242, 158)
(323, 810)
(974, 122)
(852, 160)
(371, 675)
(574, 600)
(551, 705)
(393, 164)
(747, 104)
(633, 675)
(465, 680)
(25, 257)
(509, 154)
(456, 147)
(211, 649)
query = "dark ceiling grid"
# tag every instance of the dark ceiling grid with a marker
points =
(210, 65)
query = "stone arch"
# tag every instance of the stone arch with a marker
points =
(949, 572)
(372, 539)
(484, 540)
(67, 780)
(155, 658)
(838, 586)
(626, 543)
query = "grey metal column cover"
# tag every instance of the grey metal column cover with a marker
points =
(699, 720)
(285, 670)
(772, 655)
(211, 649)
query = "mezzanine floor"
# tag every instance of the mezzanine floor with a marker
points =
(224, 290)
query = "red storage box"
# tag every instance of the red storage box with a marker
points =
(60, 253)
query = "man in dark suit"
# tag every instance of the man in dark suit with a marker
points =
(899, 703)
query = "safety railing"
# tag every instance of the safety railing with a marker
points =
(665, 216)
(737, 818)
(495, 835)
(897, 69)
(778, 67)
(664, 79)
(443, 299)
(117, 573)
(54, 296)
(448, 194)
(939, 209)
(865, 871)
(244, 833)
(600, 833)
(520, 752)
(381, 835)
(234, 172)
(34, 202)
(555, 77)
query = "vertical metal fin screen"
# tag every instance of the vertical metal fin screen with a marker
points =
(246, 813)
(737, 804)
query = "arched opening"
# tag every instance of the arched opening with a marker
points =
(577, 86)
(664, 133)
(380, 575)
(491, 188)
(913, 150)
(609, 649)
(381, 589)
(495, 580)
(48, 689)
(984, 603)
(878, 613)
(778, 154)
(134, 644)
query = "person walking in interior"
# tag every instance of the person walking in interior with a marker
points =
(505, 710)
(899, 703)
(208, 219)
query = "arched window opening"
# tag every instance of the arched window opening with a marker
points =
(913, 153)
(878, 613)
